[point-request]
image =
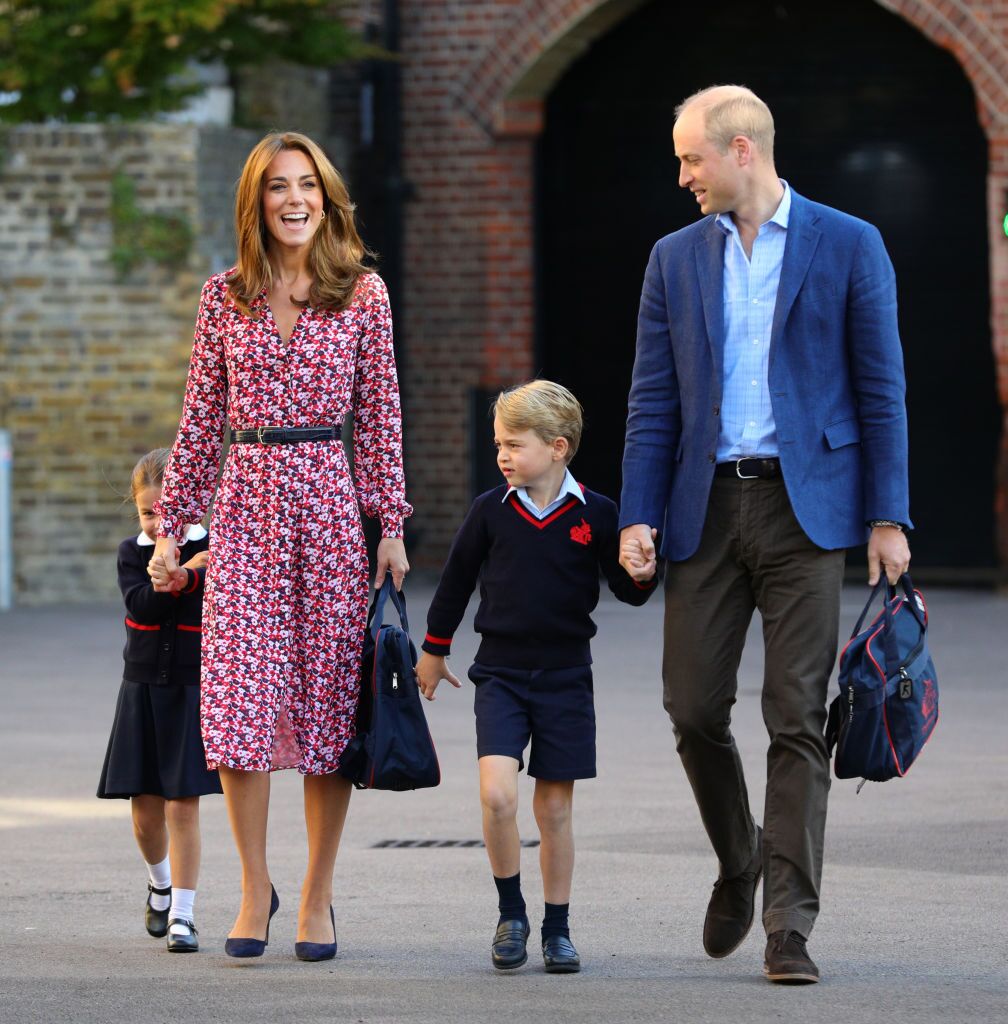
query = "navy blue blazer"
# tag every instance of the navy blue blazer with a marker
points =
(835, 373)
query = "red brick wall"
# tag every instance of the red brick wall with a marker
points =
(474, 79)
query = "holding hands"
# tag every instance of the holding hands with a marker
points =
(637, 551)
(166, 574)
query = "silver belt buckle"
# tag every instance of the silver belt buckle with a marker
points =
(738, 471)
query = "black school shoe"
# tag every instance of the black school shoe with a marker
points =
(786, 960)
(156, 920)
(185, 942)
(732, 907)
(560, 956)
(510, 944)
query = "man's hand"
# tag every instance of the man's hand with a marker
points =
(430, 670)
(887, 549)
(391, 558)
(637, 551)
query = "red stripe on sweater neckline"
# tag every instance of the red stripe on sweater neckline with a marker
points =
(516, 504)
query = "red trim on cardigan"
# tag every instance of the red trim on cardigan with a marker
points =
(136, 625)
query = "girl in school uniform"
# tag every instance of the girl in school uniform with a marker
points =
(155, 753)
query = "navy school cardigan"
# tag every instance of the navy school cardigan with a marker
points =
(163, 631)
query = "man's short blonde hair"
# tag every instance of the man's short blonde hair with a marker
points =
(545, 407)
(731, 110)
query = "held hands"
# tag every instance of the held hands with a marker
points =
(430, 671)
(391, 558)
(163, 566)
(888, 549)
(166, 574)
(637, 551)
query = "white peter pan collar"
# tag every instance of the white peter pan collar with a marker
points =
(195, 532)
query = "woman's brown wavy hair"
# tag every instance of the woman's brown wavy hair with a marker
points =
(337, 252)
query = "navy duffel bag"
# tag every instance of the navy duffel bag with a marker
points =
(888, 702)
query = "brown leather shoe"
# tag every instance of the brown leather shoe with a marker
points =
(732, 907)
(786, 960)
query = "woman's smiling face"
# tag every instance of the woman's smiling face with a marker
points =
(292, 199)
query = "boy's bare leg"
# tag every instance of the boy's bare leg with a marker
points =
(499, 799)
(552, 805)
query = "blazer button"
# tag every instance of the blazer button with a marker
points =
(712, 457)
(166, 647)
(717, 410)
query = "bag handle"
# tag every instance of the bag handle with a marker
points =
(377, 611)
(892, 658)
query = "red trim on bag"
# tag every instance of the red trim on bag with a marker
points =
(541, 523)
(900, 771)
(136, 625)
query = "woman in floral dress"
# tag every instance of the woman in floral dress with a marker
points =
(298, 335)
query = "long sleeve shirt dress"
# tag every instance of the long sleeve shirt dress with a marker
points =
(287, 582)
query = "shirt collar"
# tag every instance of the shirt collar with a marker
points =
(195, 532)
(569, 486)
(781, 216)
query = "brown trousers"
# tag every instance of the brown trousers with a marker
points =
(753, 554)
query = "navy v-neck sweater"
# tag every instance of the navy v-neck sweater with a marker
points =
(539, 580)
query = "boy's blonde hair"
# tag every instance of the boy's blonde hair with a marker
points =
(545, 407)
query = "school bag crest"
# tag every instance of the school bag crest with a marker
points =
(887, 708)
(392, 748)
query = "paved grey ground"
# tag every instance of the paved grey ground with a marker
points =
(915, 897)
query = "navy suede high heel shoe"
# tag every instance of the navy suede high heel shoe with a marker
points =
(314, 951)
(253, 947)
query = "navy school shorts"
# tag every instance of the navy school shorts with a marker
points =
(554, 708)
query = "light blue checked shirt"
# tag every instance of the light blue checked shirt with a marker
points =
(568, 487)
(750, 294)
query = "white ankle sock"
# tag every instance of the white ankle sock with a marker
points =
(160, 878)
(181, 908)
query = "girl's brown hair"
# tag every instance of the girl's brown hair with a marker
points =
(149, 471)
(337, 252)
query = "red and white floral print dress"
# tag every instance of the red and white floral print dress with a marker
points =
(286, 590)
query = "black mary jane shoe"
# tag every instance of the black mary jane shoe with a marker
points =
(156, 920)
(315, 951)
(182, 942)
(560, 956)
(253, 947)
(509, 944)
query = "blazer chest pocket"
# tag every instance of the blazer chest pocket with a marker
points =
(842, 433)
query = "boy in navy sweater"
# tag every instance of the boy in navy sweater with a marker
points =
(535, 544)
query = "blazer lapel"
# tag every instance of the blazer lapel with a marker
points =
(799, 248)
(710, 270)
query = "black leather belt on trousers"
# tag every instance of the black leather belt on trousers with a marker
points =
(286, 435)
(749, 469)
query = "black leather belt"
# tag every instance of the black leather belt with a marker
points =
(286, 435)
(749, 469)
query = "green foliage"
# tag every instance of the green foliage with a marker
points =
(137, 236)
(83, 60)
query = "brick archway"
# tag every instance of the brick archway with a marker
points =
(479, 81)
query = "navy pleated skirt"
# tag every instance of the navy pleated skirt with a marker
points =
(155, 747)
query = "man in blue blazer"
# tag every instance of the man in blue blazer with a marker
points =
(766, 433)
